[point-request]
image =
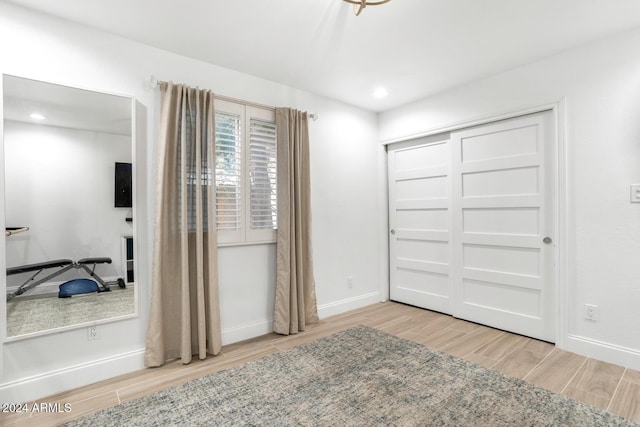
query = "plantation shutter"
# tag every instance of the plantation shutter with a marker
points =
(262, 175)
(262, 212)
(229, 175)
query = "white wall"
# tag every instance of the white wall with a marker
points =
(599, 86)
(344, 199)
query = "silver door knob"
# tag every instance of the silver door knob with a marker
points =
(393, 232)
(547, 240)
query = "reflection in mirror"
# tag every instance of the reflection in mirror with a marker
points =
(68, 206)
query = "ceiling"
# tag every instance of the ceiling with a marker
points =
(414, 48)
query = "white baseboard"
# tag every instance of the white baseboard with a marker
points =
(611, 353)
(47, 384)
(352, 303)
(253, 330)
(245, 332)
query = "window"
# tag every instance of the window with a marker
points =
(245, 173)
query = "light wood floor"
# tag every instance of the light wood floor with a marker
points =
(601, 384)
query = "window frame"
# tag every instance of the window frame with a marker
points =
(245, 235)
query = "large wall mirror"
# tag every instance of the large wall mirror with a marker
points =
(69, 205)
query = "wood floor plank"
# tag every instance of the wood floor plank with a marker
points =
(539, 347)
(389, 325)
(501, 347)
(472, 341)
(480, 360)
(626, 401)
(464, 326)
(519, 363)
(631, 376)
(556, 370)
(441, 338)
(435, 326)
(592, 399)
(597, 378)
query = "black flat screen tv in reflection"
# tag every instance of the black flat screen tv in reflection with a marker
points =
(123, 193)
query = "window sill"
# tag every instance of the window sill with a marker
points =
(233, 244)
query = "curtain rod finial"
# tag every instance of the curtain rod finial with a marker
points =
(152, 82)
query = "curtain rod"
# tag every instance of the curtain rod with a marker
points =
(154, 83)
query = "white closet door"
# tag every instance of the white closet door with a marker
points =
(419, 218)
(503, 225)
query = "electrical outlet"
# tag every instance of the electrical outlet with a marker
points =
(350, 282)
(635, 193)
(92, 333)
(591, 312)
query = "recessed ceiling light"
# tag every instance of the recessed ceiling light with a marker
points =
(37, 116)
(380, 93)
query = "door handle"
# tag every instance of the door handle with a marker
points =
(393, 231)
(547, 240)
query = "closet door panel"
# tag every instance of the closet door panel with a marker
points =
(503, 209)
(420, 217)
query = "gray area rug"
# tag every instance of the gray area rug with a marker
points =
(359, 377)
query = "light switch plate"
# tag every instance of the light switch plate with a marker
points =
(635, 193)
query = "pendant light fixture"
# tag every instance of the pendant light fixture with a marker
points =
(358, 5)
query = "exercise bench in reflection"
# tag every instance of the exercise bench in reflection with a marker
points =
(62, 265)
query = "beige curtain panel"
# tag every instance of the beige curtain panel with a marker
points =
(185, 316)
(295, 299)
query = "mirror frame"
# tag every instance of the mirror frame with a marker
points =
(135, 135)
